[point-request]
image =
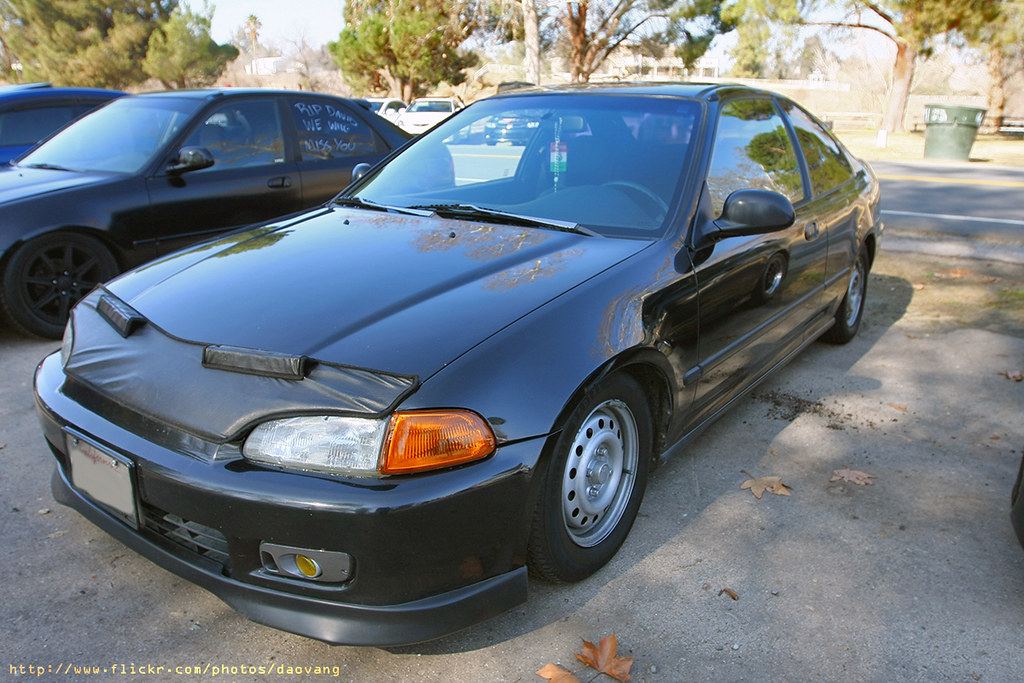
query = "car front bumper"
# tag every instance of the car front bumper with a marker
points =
(431, 554)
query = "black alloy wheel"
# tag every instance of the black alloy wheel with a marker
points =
(46, 276)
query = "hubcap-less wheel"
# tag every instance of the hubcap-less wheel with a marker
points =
(593, 481)
(851, 309)
(48, 275)
(855, 294)
(599, 473)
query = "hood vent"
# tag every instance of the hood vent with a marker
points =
(255, 362)
(120, 315)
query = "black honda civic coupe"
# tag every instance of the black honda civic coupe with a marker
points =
(366, 423)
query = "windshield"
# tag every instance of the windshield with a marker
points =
(122, 137)
(610, 163)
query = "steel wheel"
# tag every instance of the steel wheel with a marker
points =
(855, 294)
(851, 309)
(593, 482)
(48, 275)
(599, 473)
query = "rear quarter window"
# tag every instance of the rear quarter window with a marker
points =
(330, 130)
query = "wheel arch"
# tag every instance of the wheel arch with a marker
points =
(100, 236)
(651, 371)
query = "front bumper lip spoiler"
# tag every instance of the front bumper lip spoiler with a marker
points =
(331, 622)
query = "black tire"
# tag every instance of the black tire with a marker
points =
(851, 309)
(46, 276)
(594, 482)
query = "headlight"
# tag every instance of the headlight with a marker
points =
(414, 441)
(324, 444)
(67, 342)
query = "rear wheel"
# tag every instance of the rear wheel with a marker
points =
(46, 276)
(594, 482)
(851, 310)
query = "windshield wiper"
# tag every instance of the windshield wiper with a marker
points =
(49, 167)
(374, 206)
(474, 212)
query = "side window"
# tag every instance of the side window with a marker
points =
(826, 162)
(752, 150)
(329, 130)
(26, 126)
(241, 133)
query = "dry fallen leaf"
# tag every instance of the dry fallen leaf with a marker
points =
(899, 407)
(853, 476)
(959, 273)
(557, 674)
(603, 658)
(918, 286)
(730, 592)
(769, 484)
(1015, 375)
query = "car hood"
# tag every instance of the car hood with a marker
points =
(395, 293)
(19, 182)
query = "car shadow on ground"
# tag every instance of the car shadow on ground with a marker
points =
(687, 484)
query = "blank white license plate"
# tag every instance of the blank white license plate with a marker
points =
(104, 477)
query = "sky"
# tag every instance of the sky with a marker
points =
(318, 21)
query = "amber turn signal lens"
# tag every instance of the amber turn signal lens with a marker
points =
(429, 440)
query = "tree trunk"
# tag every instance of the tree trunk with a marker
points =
(996, 80)
(575, 23)
(902, 77)
(531, 29)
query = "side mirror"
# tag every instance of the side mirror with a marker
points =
(754, 212)
(359, 171)
(191, 159)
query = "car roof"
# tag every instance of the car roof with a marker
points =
(694, 90)
(39, 90)
(214, 93)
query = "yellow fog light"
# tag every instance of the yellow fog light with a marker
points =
(307, 566)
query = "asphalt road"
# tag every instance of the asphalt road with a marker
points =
(917, 577)
(954, 208)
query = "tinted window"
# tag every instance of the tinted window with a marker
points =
(28, 126)
(241, 133)
(329, 130)
(121, 137)
(752, 150)
(826, 163)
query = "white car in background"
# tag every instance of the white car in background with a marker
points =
(388, 107)
(426, 112)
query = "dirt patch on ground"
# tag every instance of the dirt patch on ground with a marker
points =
(933, 294)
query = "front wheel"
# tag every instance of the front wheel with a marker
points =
(594, 482)
(851, 309)
(46, 276)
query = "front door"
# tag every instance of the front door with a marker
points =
(252, 179)
(757, 294)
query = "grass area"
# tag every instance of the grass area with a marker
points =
(988, 149)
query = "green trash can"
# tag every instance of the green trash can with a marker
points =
(950, 131)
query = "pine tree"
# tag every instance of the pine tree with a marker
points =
(181, 53)
(99, 43)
